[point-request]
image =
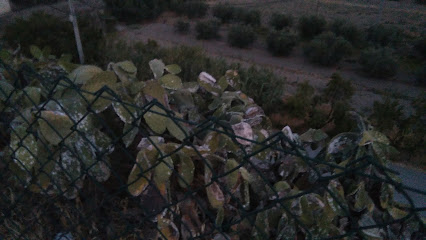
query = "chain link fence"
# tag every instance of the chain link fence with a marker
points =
(88, 163)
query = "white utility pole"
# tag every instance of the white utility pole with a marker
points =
(73, 19)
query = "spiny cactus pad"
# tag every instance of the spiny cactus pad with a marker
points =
(208, 151)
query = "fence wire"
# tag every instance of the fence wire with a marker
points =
(93, 168)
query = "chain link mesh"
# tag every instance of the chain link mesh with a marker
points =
(176, 189)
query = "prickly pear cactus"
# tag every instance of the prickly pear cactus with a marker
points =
(209, 151)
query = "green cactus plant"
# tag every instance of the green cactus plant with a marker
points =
(205, 135)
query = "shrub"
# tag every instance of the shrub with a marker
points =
(378, 62)
(46, 30)
(386, 114)
(342, 120)
(281, 43)
(139, 53)
(327, 49)
(338, 89)
(182, 26)
(263, 86)
(225, 12)
(248, 17)
(241, 36)
(228, 13)
(130, 11)
(280, 21)
(299, 105)
(327, 110)
(260, 84)
(317, 118)
(406, 133)
(347, 30)
(413, 130)
(310, 26)
(193, 9)
(338, 93)
(193, 61)
(207, 29)
(381, 35)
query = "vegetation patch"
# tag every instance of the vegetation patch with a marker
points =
(248, 16)
(378, 62)
(327, 49)
(405, 133)
(38, 29)
(225, 12)
(310, 26)
(281, 43)
(280, 21)
(348, 31)
(130, 11)
(263, 86)
(241, 36)
(192, 9)
(207, 29)
(385, 36)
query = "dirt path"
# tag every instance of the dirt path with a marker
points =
(295, 67)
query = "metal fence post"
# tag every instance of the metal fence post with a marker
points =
(73, 19)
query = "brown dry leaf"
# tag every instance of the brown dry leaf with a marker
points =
(191, 224)
(188, 228)
(162, 188)
(137, 182)
(168, 229)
